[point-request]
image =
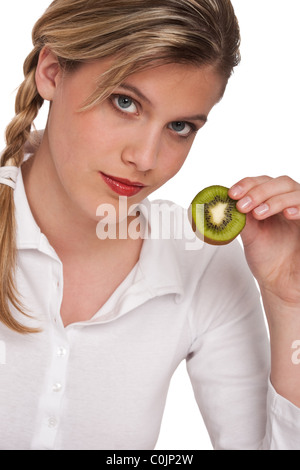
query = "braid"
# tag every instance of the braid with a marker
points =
(28, 103)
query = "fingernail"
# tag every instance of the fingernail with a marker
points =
(262, 209)
(292, 211)
(245, 202)
(236, 190)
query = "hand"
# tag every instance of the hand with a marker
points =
(271, 237)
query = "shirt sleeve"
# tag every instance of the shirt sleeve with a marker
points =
(229, 361)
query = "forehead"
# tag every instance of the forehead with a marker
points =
(184, 86)
(179, 78)
(169, 86)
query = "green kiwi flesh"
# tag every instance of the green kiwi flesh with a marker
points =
(214, 216)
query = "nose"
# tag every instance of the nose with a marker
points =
(142, 149)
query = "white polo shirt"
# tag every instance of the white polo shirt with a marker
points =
(102, 383)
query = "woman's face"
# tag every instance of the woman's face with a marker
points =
(130, 144)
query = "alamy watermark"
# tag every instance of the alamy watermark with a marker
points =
(2, 353)
(168, 221)
(296, 353)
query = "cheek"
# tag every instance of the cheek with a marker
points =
(62, 130)
(173, 160)
(73, 135)
(93, 133)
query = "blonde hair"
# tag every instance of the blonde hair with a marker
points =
(137, 34)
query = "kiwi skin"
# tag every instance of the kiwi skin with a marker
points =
(201, 199)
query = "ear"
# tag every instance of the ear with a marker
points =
(48, 74)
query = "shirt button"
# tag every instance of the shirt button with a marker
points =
(61, 351)
(57, 387)
(52, 422)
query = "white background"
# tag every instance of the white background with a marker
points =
(253, 131)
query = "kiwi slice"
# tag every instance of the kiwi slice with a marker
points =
(214, 216)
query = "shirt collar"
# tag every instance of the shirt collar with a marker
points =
(159, 257)
(28, 232)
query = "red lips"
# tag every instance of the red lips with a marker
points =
(121, 186)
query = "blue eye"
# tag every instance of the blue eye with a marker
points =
(125, 104)
(181, 127)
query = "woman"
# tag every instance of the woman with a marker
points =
(93, 326)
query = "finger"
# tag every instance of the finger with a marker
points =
(292, 213)
(243, 186)
(263, 192)
(287, 203)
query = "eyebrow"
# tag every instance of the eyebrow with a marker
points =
(197, 117)
(135, 90)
